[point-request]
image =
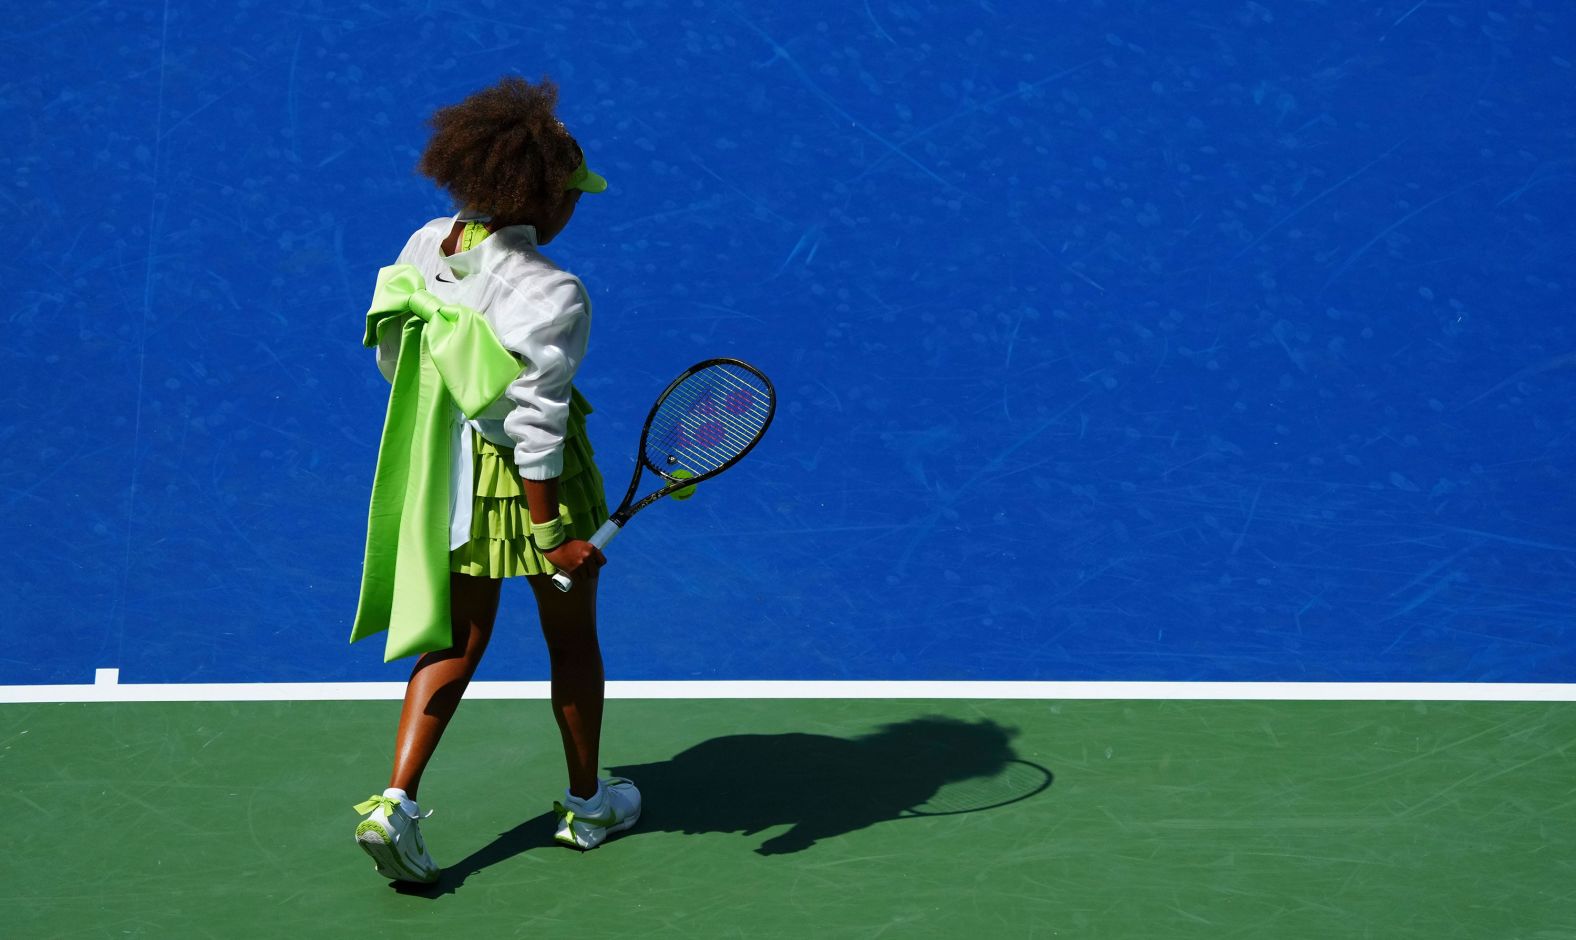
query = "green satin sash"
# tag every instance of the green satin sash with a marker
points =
(448, 355)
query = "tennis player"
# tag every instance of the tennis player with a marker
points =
(523, 490)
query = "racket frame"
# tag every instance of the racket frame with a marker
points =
(626, 509)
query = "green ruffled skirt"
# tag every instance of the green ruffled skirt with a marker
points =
(500, 545)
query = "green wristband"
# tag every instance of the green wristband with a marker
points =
(547, 536)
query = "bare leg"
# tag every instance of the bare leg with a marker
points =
(569, 626)
(439, 679)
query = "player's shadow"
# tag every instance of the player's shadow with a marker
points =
(818, 785)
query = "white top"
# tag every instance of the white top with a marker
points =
(540, 313)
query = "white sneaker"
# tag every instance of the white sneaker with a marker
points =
(392, 836)
(586, 824)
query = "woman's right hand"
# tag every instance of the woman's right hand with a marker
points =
(577, 559)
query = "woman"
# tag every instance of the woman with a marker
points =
(525, 493)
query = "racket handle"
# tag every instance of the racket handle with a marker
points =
(598, 538)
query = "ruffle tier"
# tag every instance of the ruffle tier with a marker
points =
(500, 545)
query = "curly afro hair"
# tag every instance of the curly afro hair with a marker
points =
(501, 151)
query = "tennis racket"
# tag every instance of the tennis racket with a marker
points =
(704, 422)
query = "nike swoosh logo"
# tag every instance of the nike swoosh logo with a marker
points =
(443, 279)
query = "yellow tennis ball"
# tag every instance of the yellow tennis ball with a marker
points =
(686, 492)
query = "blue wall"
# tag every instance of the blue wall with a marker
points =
(1115, 340)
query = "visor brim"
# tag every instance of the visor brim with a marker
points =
(588, 182)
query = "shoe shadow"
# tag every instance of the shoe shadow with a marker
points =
(823, 787)
(534, 833)
(820, 786)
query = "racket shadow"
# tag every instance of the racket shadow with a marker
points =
(824, 787)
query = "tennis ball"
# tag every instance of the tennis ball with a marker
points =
(686, 492)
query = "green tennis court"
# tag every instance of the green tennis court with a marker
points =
(775, 818)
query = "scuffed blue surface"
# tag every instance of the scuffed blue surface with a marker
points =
(1115, 341)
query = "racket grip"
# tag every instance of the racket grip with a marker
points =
(598, 538)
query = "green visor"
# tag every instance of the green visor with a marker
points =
(585, 181)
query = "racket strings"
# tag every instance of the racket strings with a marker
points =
(707, 420)
(741, 401)
(705, 404)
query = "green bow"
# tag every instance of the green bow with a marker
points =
(448, 355)
(387, 803)
(375, 801)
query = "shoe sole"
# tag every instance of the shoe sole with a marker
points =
(567, 836)
(376, 842)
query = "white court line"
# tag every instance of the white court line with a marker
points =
(107, 688)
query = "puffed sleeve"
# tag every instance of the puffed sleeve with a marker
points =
(551, 345)
(387, 349)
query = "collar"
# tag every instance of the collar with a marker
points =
(462, 264)
(528, 232)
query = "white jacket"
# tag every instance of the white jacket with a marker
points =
(540, 313)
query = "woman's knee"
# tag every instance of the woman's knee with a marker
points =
(569, 642)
